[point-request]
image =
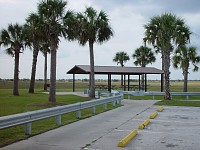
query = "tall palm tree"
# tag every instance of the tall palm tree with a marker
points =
(13, 38)
(93, 27)
(165, 32)
(143, 56)
(45, 50)
(34, 37)
(182, 58)
(121, 58)
(53, 15)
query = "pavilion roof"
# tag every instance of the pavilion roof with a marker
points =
(85, 69)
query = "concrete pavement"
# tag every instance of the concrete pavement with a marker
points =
(175, 128)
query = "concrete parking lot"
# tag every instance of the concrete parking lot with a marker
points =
(176, 128)
(173, 129)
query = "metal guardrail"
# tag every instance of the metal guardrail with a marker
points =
(28, 117)
(153, 94)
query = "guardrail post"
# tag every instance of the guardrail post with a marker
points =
(120, 101)
(129, 96)
(94, 110)
(105, 106)
(78, 114)
(99, 95)
(58, 120)
(152, 97)
(27, 128)
(114, 103)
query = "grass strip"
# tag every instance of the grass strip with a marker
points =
(188, 103)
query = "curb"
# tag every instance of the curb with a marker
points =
(160, 109)
(126, 139)
(144, 124)
(152, 116)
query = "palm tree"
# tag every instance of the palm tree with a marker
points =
(34, 37)
(165, 32)
(93, 27)
(182, 58)
(45, 50)
(13, 38)
(143, 56)
(53, 15)
(121, 58)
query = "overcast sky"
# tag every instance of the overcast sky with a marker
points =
(127, 18)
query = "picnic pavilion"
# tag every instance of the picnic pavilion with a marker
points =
(118, 70)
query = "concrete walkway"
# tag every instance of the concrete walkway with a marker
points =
(81, 134)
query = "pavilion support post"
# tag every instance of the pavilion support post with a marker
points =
(109, 82)
(139, 83)
(73, 83)
(124, 82)
(128, 82)
(145, 82)
(121, 80)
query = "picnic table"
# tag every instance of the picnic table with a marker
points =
(103, 86)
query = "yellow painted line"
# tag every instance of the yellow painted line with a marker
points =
(145, 123)
(153, 115)
(160, 109)
(127, 139)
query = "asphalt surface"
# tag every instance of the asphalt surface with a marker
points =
(173, 129)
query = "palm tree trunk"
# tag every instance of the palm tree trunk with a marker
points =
(52, 91)
(167, 74)
(163, 66)
(45, 70)
(185, 74)
(92, 78)
(33, 72)
(16, 74)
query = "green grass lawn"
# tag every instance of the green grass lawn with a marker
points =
(10, 104)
